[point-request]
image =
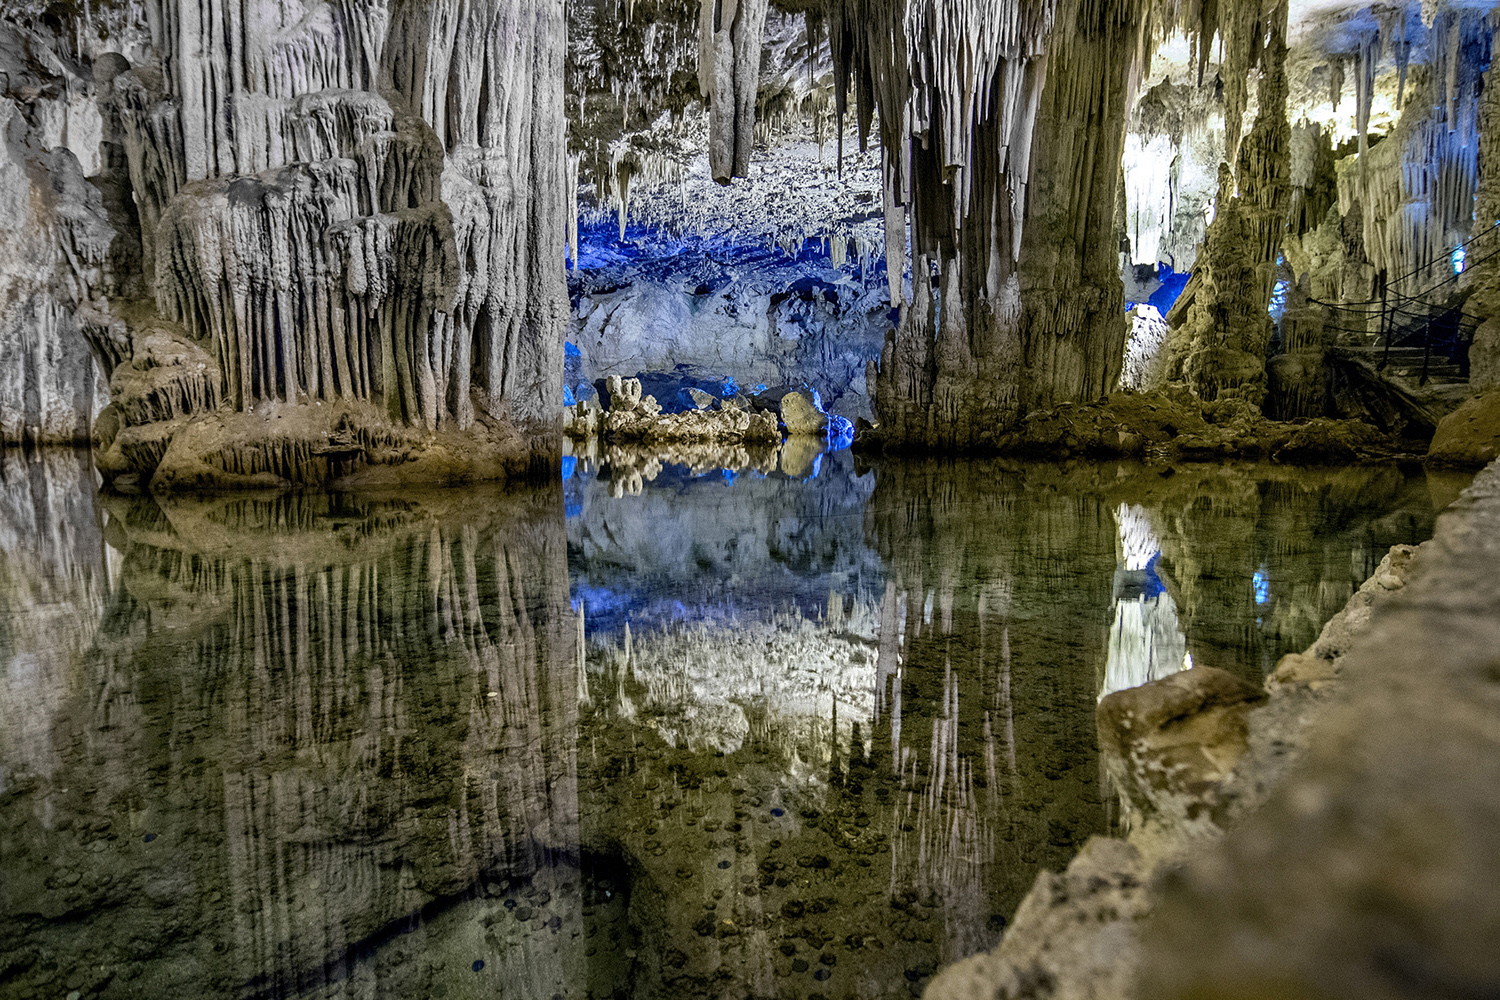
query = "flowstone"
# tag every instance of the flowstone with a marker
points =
(341, 211)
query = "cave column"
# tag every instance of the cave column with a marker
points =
(1224, 343)
(1012, 186)
(1484, 353)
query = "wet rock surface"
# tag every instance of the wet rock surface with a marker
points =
(1470, 435)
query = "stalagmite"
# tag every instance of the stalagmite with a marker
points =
(1222, 348)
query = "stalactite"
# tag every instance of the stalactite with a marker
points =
(1364, 94)
(364, 204)
(1415, 190)
(728, 73)
(1172, 149)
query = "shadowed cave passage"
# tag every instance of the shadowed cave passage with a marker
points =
(352, 745)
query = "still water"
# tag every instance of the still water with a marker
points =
(791, 730)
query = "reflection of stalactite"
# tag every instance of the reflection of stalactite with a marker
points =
(55, 572)
(363, 720)
(976, 765)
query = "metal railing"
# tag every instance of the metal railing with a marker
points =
(1420, 319)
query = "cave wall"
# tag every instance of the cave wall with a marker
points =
(350, 219)
(55, 246)
(716, 310)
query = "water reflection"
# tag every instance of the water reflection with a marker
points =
(1146, 641)
(769, 734)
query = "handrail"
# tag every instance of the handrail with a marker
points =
(1417, 297)
(1428, 263)
(1450, 324)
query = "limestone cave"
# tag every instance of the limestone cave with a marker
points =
(749, 499)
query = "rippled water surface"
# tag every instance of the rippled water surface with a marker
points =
(642, 733)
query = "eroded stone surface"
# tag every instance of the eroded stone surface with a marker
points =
(1372, 870)
(1168, 743)
(1470, 435)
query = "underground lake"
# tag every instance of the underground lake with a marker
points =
(787, 729)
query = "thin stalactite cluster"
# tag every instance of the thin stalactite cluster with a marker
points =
(356, 204)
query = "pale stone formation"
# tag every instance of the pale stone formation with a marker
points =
(1166, 744)
(55, 245)
(1170, 162)
(1145, 364)
(1484, 278)
(1222, 347)
(351, 218)
(628, 417)
(800, 416)
(1003, 132)
(731, 33)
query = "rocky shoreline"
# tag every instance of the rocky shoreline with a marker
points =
(1192, 756)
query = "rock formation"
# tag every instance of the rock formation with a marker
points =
(321, 241)
(350, 217)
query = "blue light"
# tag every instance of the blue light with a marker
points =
(1172, 284)
(571, 350)
(730, 387)
(1262, 586)
(840, 432)
(568, 399)
(1152, 586)
(1277, 308)
(569, 466)
(1459, 254)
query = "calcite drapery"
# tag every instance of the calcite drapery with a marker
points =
(977, 107)
(361, 202)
